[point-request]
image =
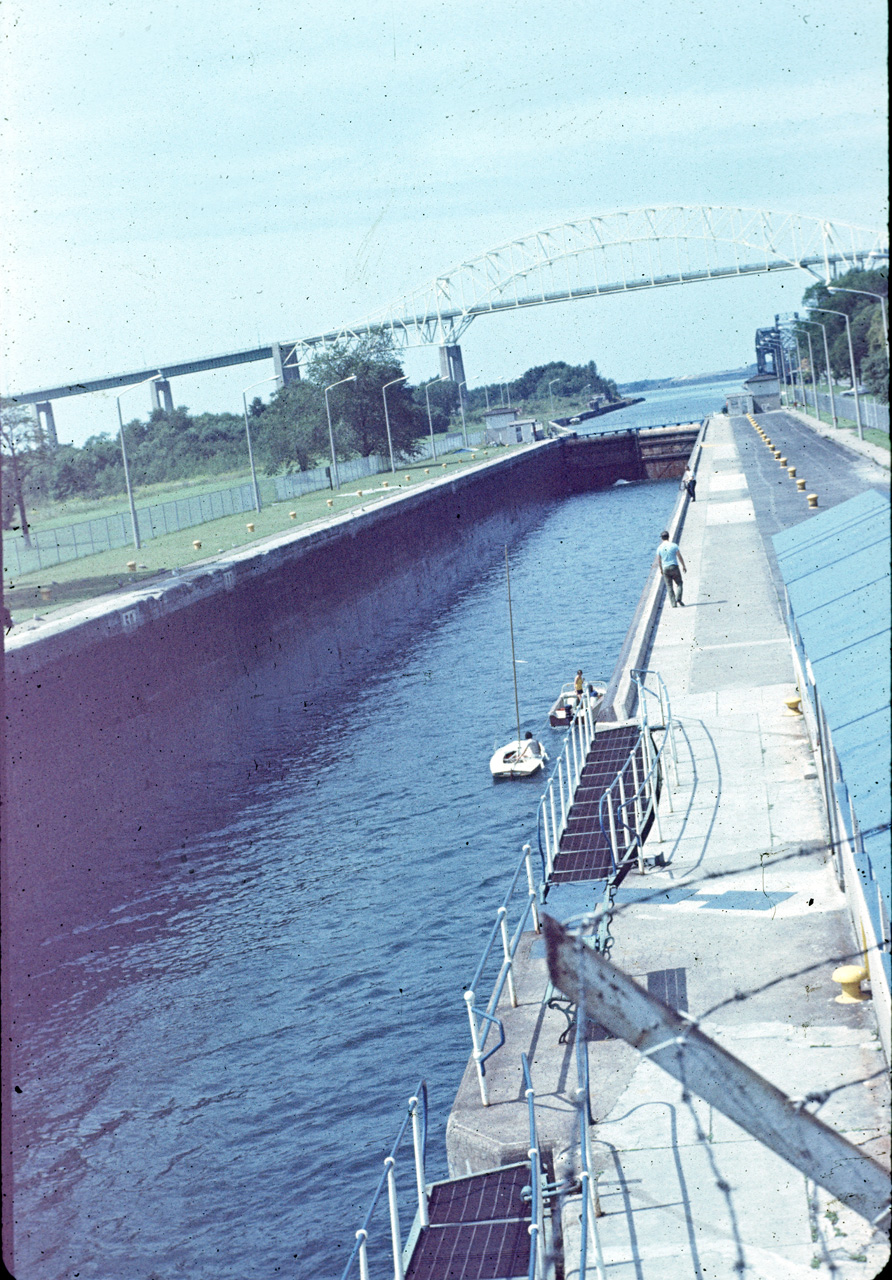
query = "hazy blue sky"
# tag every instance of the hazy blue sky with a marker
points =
(187, 178)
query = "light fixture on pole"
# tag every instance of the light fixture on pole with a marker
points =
(461, 405)
(430, 421)
(837, 288)
(156, 377)
(551, 393)
(830, 312)
(254, 485)
(823, 329)
(799, 371)
(387, 417)
(334, 462)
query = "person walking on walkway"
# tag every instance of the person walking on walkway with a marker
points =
(670, 558)
(689, 482)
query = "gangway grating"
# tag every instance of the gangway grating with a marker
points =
(584, 852)
(479, 1228)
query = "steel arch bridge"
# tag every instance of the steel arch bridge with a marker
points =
(590, 257)
(611, 253)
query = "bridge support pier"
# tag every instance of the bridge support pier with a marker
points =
(47, 423)
(285, 372)
(451, 364)
(162, 396)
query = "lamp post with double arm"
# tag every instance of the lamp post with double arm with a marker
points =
(823, 329)
(831, 312)
(274, 378)
(387, 417)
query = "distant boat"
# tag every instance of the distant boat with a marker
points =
(523, 756)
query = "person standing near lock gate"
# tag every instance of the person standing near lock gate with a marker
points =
(672, 565)
(689, 482)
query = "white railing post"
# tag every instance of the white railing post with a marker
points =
(395, 1235)
(636, 799)
(546, 827)
(506, 952)
(612, 823)
(362, 1236)
(561, 787)
(571, 764)
(423, 1216)
(531, 886)
(555, 834)
(477, 1050)
(624, 817)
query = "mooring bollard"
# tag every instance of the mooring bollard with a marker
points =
(791, 472)
(249, 527)
(292, 515)
(812, 499)
(850, 977)
(329, 502)
(800, 485)
(783, 462)
(131, 565)
(197, 545)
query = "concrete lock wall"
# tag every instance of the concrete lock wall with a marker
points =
(139, 700)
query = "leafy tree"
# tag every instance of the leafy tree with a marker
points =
(357, 408)
(443, 397)
(24, 456)
(865, 321)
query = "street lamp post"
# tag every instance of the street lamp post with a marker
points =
(254, 484)
(387, 417)
(133, 521)
(461, 405)
(430, 421)
(837, 288)
(334, 461)
(831, 312)
(551, 393)
(798, 372)
(823, 329)
(811, 369)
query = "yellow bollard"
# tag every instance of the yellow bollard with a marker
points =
(850, 977)
(783, 462)
(46, 594)
(800, 485)
(776, 452)
(427, 471)
(791, 472)
(812, 499)
(359, 493)
(292, 515)
(131, 565)
(250, 527)
(329, 502)
(197, 545)
(794, 705)
(444, 465)
(408, 477)
(385, 484)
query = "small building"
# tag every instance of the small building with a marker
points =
(765, 390)
(501, 416)
(739, 404)
(517, 431)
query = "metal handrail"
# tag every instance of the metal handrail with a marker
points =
(551, 817)
(417, 1114)
(505, 976)
(537, 1264)
(590, 1209)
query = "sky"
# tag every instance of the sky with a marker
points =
(183, 179)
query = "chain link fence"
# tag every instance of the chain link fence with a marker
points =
(87, 537)
(106, 533)
(872, 414)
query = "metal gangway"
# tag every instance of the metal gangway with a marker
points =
(494, 1223)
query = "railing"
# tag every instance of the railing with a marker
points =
(538, 1257)
(417, 1114)
(631, 802)
(554, 807)
(590, 1208)
(483, 1020)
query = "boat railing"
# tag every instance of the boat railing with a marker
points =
(416, 1116)
(554, 806)
(484, 1018)
(538, 1252)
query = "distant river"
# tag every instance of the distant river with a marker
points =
(227, 1039)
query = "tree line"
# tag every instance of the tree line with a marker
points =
(290, 432)
(865, 317)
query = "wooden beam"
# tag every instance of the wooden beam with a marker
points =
(610, 997)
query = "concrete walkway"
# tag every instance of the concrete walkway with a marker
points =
(749, 915)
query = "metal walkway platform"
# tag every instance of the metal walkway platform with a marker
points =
(584, 851)
(479, 1228)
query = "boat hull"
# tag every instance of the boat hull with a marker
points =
(516, 760)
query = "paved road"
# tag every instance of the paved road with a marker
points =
(830, 470)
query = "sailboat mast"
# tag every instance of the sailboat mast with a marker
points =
(513, 659)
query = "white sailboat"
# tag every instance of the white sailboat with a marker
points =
(523, 756)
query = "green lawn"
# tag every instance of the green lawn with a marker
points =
(79, 580)
(849, 426)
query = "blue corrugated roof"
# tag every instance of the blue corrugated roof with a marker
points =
(836, 567)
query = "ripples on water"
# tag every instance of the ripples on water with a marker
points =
(229, 1042)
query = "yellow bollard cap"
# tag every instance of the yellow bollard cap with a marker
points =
(850, 977)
